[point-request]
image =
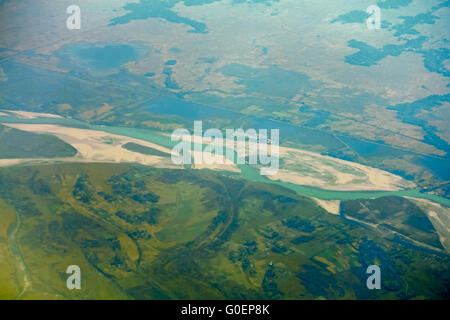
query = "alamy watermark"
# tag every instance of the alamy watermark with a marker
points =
(374, 281)
(373, 22)
(74, 280)
(211, 147)
(73, 22)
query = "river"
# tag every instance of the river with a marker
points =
(247, 172)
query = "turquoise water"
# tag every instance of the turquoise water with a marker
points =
(252, 174)
(355, 16)
(277, 81)
(440, 166)
(247, 172)
(161, 9)
(97, 57)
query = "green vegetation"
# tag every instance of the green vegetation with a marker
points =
(21, 144)
(378, 98)
(144, 150)
(394, 213)
(142, 233)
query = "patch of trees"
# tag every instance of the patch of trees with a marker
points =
(149, 216)
(243, 256)
(123, 187)
(144, 198)
(298, 224)
(269, 285)
(25, 206)
(278, 247)
(318, 282)
(139, 234)
(82, 190)
(301, 239)
(38, 186)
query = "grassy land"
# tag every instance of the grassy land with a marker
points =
(144, 150)
(20, 144)
(142, 233)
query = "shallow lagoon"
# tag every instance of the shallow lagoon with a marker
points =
(98, 57)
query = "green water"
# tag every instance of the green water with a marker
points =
(252, 174)
(247, 172)
(97, 57)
